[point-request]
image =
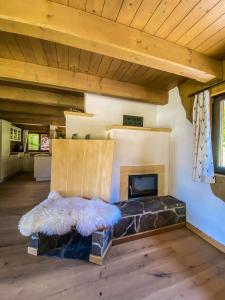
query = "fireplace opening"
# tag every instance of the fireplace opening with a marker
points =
(143, 185)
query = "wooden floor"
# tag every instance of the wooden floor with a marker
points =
(173, 265)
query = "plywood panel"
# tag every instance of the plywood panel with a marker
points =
(82, 167)
(60, 150)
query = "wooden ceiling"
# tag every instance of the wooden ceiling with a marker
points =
(37, 51)
(196, 24)
(135, 49)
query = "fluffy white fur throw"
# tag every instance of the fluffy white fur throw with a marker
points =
(56, 215)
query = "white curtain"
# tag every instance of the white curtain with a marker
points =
(203, 167)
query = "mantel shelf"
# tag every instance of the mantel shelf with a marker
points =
(158, 129)
(77, 114)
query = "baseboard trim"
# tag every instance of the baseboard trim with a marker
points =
(32, 251)
(205, 237)
(140, 235)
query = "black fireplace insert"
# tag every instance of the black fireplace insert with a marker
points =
(143, 185)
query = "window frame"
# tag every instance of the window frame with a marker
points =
(216, 132)
(39, 145)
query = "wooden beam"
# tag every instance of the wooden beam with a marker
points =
(40, 97)
(24, 118)
(87, 31)
(36, 109)
(68, 80)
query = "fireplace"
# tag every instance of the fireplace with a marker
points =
(142, 181)
(142, 185)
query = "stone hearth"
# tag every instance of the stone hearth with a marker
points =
(146, 214)
(138, 216)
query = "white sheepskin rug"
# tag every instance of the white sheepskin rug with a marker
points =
(56, 215)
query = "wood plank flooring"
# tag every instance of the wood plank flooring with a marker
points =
(172, 265)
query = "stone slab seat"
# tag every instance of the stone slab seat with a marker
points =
(138, 216)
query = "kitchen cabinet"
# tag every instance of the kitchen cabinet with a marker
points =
(9, 163)
(15, 134)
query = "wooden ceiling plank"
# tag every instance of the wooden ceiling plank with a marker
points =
(64, 2)
(130, 44)
(127, 76)
(217, 50)
(202, 41)
(111, 9)
(74, 58)
(178, 14)
(25, 47)
(152, 77)
(4, 51)
(144, 13)
(138, 75)
(78, 4)
(29, 95)
(50, 52)
(67, 80)
(128, 11)
(13, 46)
(147, 75)
(94, 63)
(63, 56)
(160, 15)
(95, 6)
(203, 23)
(115, 64)
(121, 70)
(191, 19)
(85, 58)
(31, 118)
(36, 109)
(104, 65)
(38, 51)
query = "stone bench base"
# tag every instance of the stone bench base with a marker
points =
(140, 218)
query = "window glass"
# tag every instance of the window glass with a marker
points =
(44, 142)
(33, 141)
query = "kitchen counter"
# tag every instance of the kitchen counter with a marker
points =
(42, 167)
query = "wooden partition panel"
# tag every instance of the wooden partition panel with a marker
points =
(82, 167)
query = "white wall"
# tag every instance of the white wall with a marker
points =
(204, 210)
(138, 148)
(107, 111)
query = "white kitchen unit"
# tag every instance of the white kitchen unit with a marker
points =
(9, 163)
(42, 167)
(15, 134)
(4, 148)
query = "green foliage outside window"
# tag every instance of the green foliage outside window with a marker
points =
(33, 141)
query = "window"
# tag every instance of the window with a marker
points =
(218, 133)
(44, 142)
(38, 142)
(33, 141)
